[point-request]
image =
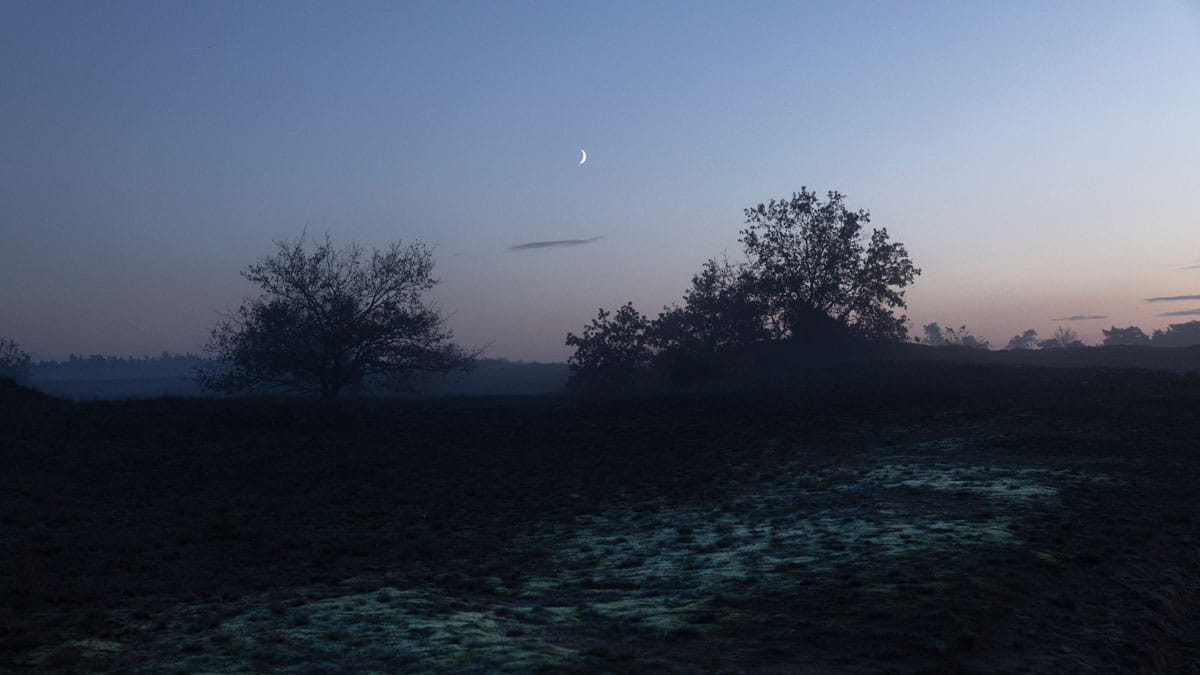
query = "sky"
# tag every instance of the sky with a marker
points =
(1039, 160)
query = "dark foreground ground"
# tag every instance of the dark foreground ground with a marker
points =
(892, 519)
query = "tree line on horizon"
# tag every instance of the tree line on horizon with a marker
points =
(1185, 334)
(333, 320)
(97, 366)
(812, 277)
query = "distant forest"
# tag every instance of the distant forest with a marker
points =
(108, 377)
(545, 375)
(1176, 335)
(497, 375)
(97, 367)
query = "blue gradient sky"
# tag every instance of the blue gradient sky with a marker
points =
(1040, 160)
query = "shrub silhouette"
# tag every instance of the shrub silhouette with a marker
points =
(721, 310)
(1026, 340)
(1063, 338)
(1178, 335)
(721, 315)
(1125, 336)
(611, 352)
(936, 336)
(14, 361)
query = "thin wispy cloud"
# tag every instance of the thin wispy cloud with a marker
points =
(1081, 317)
(1183, 312)
(1172, 298)
(1190, 267)
(554, 243)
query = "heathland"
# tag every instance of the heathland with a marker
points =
(864, 517)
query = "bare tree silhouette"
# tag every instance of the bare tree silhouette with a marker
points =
(329, 320)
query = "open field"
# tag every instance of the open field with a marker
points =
(903, 518)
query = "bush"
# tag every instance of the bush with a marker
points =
(1064, 338)
(1125, 336)
(612, 351)
(1178, 335)
(14, 361)
(936, 336)
(1026, 340)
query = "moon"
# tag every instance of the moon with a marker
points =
(581, 161)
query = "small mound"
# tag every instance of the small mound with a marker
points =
(15, 395)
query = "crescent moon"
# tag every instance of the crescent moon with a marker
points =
(584, 156)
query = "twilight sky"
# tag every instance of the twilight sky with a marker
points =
(1040, 160)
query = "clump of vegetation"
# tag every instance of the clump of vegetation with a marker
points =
(812, 276)
(1177, 335)
(1063, 338)
(612, 350)
(1026, 340)
(1126, 336)
(14, 361)
(936, 336)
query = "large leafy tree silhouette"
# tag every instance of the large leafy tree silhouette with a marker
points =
(812, 258)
